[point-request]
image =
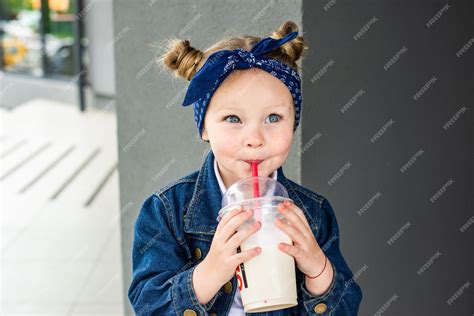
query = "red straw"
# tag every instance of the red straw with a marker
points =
(256, 189)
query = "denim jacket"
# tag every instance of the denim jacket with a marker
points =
(173, 234)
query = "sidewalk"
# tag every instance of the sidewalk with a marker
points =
(60, 227)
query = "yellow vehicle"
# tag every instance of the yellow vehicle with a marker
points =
(14, 50)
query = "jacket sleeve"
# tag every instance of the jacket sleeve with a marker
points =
(162, 275)
(344, 295)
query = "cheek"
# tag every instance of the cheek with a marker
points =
(220, 136)
(283, 142)
(222, 144)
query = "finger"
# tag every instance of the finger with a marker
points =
(246, 255)
(291, 231)
(291, 250)
(231, 226)
(227, 217)
(290, 215)
(237, 239)
(299, 213)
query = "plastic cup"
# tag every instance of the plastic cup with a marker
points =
(268, 281)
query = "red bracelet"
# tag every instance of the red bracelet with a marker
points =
(325, 262)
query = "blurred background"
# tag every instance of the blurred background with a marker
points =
(90, 128)
(60, 229)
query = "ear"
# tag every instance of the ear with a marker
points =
(204, 135)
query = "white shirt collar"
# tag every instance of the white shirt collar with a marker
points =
(221, 183)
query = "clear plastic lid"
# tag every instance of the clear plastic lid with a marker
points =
(242, 192)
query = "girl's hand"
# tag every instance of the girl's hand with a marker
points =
(308, 255)
(223, 258)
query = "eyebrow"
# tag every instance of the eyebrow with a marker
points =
(221, 109)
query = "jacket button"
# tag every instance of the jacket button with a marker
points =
(320, 308)
(228, 287)
(189, 312)
(197, 253)
(212, 314)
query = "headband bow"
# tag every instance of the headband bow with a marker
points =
(220, 64)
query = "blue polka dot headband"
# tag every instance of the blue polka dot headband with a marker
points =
(220, 64)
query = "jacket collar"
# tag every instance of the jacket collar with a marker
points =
(206, 200)
(221, 182)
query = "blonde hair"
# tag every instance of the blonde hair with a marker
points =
(184, 60)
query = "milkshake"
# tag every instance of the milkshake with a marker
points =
(268, 281)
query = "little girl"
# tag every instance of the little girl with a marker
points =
(246, 95)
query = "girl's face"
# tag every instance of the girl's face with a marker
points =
(250, 117)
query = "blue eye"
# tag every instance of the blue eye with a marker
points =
(274, 118)
(273, 115)
(231, 116)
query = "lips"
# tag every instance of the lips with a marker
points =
(253, 161)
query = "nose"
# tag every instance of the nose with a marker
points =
(254, 139)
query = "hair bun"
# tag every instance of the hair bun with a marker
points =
(181, 58)
(184, 61)
(294, 48)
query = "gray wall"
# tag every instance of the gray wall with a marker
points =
(156, 135)
(397, 204)
(101, 45)
(153, 151)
